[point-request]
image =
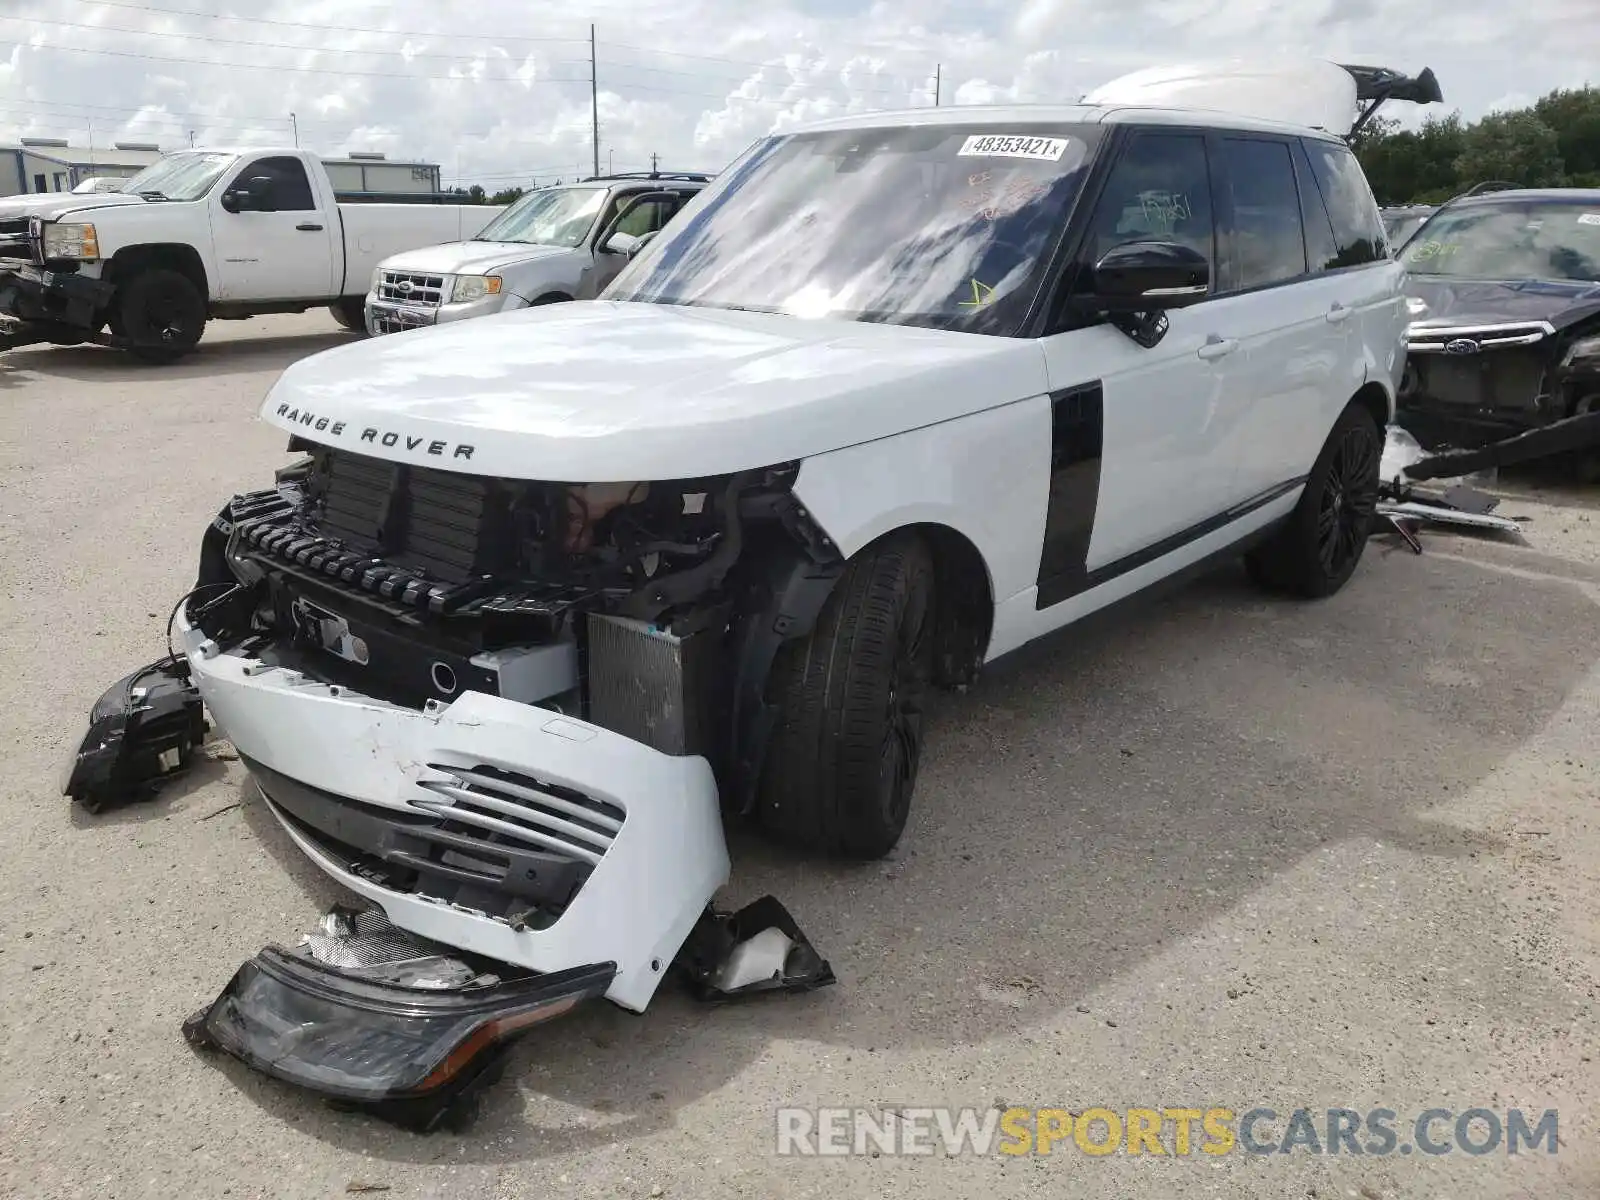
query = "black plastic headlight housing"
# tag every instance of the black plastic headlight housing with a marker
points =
(144, 728)
(408, 1054)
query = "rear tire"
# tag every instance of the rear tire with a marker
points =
(161, 314)
(1320, 545)
(350, 313)
(842, 765)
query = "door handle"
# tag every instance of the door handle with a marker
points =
(309, 227)
(1338, 313)
(1216, 347)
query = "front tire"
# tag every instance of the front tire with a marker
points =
(1318, 548)
(350, 314)
(842, 765)
(161, 314)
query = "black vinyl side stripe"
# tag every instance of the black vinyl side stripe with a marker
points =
(1077, 437)
(1055, 590)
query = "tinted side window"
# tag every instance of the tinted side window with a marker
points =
(1160, 190)
(1357, 228)
(1268, 242)
(291, 190)
(1322, 251)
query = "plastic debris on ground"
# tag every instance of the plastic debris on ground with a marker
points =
(1404, 505)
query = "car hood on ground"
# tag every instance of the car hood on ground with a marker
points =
(58, 204)
(600, 391)
(1489, 302)
(469, 257)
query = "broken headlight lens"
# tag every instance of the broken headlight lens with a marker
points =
(406, 1051)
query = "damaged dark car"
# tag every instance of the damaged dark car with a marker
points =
(1503, 358)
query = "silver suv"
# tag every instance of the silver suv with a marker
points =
(562, 242)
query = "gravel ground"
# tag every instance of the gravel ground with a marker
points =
(1216, 851)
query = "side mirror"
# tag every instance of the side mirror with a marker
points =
(255, 195)
(1149, 276)
(627, 243)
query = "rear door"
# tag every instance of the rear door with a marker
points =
(282, 254)
(1296, 329)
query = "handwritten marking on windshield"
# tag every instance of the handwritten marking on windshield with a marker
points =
(1431, 249)
(982, 293)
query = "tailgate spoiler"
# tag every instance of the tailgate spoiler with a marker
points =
(1375, 86)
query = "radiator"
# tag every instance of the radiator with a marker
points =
(652, 686)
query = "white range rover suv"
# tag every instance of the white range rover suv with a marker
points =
(552, 593)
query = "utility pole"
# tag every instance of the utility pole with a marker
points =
(611, 161)
(191, 139)
(594, 101)
(295, 126)
(938, 74)
(654, 159)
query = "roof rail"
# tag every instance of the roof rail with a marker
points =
(674, 176)
(1488, 185)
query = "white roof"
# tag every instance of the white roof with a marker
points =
(1298, 94)
(1310, 92)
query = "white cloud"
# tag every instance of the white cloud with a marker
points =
(499, 96)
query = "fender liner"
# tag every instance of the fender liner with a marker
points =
(790, 589)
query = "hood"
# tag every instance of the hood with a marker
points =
(1486, 302)
(469, 257)
(51, 205)
(606, 392)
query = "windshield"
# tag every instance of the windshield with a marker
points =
(940, 225)
(1401, 227)
(1510, 239)
(557, 217)
(179, 176)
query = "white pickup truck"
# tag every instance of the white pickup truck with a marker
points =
(199, 235)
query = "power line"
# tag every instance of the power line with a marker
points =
(298, 46)
(342, 71)
(426, 33)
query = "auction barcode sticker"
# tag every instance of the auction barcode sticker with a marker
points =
(1589, 219)
(1007, 145)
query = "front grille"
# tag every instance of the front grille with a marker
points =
(1451, 340)
(410, 287)
(14, 240)
(498, 807)
(1509, 380)
(412, 540)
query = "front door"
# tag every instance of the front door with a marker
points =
(1142, 433)
(648, 216)
(284, 254)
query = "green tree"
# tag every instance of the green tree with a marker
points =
(1574, 113)
(506, 196)
(1514, 146)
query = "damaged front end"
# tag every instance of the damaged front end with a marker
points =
(1505, 332)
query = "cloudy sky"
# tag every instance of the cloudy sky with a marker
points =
(498, 91)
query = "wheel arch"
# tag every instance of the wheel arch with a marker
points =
(1375, 398)
(176, 256)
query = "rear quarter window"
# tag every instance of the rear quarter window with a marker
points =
(1357, 227)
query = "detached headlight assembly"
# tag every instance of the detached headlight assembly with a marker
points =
(71, 241)
(474, 287)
